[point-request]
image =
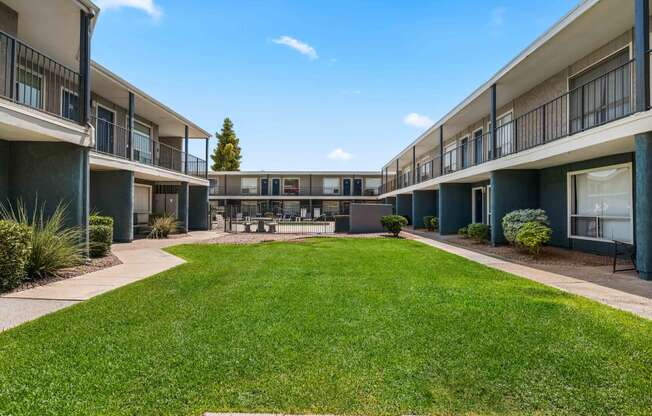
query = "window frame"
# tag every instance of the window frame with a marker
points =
(338, 186)
(569, 202)
(283, 192)
(242, 187)
(43, 90)
(68, 91)
(149, 201)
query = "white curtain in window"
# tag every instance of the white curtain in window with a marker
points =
(331, 185)
(249, 185)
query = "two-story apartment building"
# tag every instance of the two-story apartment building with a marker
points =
(565, 126)
(74, 133)
(293, 194)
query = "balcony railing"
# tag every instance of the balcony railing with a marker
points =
(114, 140)
(302, 191)
(602, 100)
(33, 79)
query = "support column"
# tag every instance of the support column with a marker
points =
(641, 47)
(441, 150)
(414, 165)
(112, 194)
(423, 203)
(643, 205)
(130, 126)
(198, 208)
(85, 67)
(186, 150)
(206, 156)
(5, 157)
(397, 180)
(454, 207)
(182, 213)
(404, 206)
(511, 190)
(494, 139)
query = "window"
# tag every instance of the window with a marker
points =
(331, 186)
(450, 157)
(406, 177)
(29, 87)
(504, 136)
(249, 186)
(478, 148)
(291, 208)
(290, 186)
(142, 143)
(249, 208)
(372, 186)
(331, 208)
(213, 186)
(600, 93)
(601, 204)
(142, 199)
(69, 104)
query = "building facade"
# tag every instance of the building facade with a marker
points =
(565, 126)
(74, 133)
(292, 194)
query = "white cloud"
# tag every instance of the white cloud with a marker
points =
(418, 120)
(148, 6)
(339, 154)
(301, 47)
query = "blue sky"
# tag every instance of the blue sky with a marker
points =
(315, 85)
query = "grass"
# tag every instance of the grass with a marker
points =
(362, 326)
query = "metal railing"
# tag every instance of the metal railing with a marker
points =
(35, 80)
(606, 98)
(115, 140)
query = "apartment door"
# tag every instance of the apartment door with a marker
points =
(479, 203)
(105, 120)
(264, 186)
(346, 186)
(357, 187)
(276, 186)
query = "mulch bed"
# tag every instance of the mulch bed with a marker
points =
(92, 266)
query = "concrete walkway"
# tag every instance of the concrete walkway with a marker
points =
(637, 305)
(140, 259)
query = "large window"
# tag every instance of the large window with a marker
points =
(331, 208)
(601, 204)
(291, 208)
(213, 186)
(371, 186)
(331, 186)
(249, 186)
(29, 86)
(142, 199)
(69, 104)
(450, 158)
(290, 186)
(249, 208)
(142, 143)
(425, 170)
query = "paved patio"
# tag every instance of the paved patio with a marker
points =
(140, 259)
(618, 299)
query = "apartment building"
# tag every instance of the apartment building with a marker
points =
(74, 133)
(291, 194)
(565, 126)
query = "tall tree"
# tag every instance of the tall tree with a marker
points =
(226, 155)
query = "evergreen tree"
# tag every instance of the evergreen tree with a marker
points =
(226, 156)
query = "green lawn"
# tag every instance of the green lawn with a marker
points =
(348, 326)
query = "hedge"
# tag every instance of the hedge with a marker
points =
(15, 250)
(100, 235)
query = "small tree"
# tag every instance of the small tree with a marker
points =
(393, 223)
(226, 156)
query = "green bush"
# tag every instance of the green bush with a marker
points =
(163, 226)
(54, 245)
(15, 248)
(393, 223)
(463, 232)
(100, 238)
(512, 221)
(533, 235)
(427, 222)
(96, 219)
(478, 232)
(434, 223)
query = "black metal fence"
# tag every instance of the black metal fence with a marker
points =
(238, 222)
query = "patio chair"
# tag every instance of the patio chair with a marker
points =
(247, 227)
(271, 227)
(627, 250)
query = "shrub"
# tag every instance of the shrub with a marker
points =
(15, 248)
(463, 232)
(393, 223)
(100, 238)
(54, 245)
(533, 235)
(478, 231)
(427, 222)
(96, 219)
(163, 226)
(515, 219)
(434, 223)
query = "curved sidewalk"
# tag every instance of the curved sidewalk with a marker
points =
(140, 259)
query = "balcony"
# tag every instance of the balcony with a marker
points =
(32, 79)
(597, 102)
(317, 191)
(115, 140)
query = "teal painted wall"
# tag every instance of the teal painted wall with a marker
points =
(423, 203)
(112, 194)
(391, 201)
(454, 207)
(511, 190)
(182, 213)
(553, 199)
(404, 206)
(5, 155)
(55, 172)
(643, 205)
(198, 208)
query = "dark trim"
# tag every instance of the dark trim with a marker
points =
(641, 47)
(206, 155)
(414, 165)
(493, 109)
(130, 127)
(85, 67)
(185, 148)
(441, 150)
